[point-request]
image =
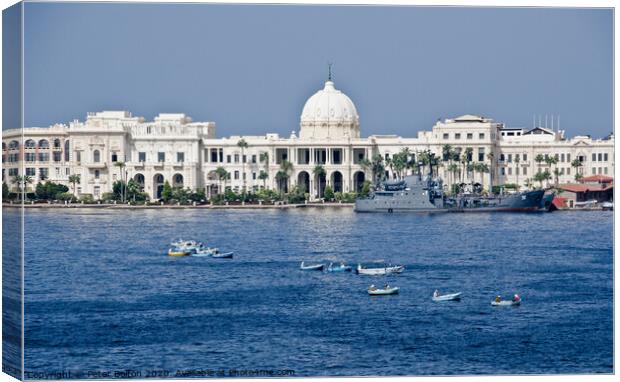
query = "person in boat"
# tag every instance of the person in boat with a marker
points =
(498, 298)
(372, 287)
(436, 293)
(516, 298)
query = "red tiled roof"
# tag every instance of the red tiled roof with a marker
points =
(584, 187)
(598, 178)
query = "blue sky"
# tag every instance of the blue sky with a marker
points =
(250, 68)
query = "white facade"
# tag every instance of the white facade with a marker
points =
(173, 148)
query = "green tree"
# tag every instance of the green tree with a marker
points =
(285, 169)
(329, 193)
(22, 182)
(263, 176)
(319, 174)
(74, 179)
(5, 191)
(222, 174)
(166, 193)
(121, 166)
(365, 191)
(577, 165)
(539, 159)
(243, 145)
(264, 158)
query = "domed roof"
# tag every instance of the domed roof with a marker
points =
(329, 113)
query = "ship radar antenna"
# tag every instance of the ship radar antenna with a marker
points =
(329, 71)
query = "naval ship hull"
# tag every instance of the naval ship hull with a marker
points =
(531, 201)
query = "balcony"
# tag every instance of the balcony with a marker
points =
(96, 165)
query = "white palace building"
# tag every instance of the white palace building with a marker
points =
(173, 148)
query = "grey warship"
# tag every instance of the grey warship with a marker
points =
(425, 194)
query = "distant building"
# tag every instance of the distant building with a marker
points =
(173, 148)
(597, 188)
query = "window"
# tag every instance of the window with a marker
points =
(502, 171)
(481, 136)
(236, 158)
(446, 136)
(253, 176)
(605, 169)
(161, 157)
(67, 171)
(29, 144)
(254, 158)
(517, 170)
(516, 157)
(29, 157)
(245, 159)
(30, 171)
(600, 157)
(605, 158)
(96, 156)
(214, 155)
(568, 171)
(593, 157)
(57, 156)
(244, 176)
(525, 158)
(568, 158)
(236, 175)
(481, 154)
(593, 170)
(562, 158)
(96, 191)
(509, 158)
(501, 157)
(387, 156)
(13, 171)
(524, 170)
(142, 156)
(56, 143)
(509, 170)
(228, 158)
(67, 151)
(43, 173)
(180, 157)
(470, 136)
(97, 174)
(44, 157)
(457, 136)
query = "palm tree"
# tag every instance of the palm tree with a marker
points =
(491, 157)
(221, 174)
(454, 169)
(556, 173)
(121, 165)
(22, 181)
(318, 171)
(576, 163)
(243, 145)
(517, 160)
(282, 176)
(447, 152)
(263, 176)
(482, 168)
(539, 159)
(74, 179)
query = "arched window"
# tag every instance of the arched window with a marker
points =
(13, 145)
(56, 143)
(3, 146)
(67, 151)
(44, 144)
(29, 144)
(96, 156)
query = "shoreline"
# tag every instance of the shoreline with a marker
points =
(213, 207)
(165, 206)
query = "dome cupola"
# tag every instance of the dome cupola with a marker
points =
(329, 113)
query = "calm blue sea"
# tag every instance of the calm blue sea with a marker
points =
(102, 296)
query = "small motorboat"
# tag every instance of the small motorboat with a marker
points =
(312, 267)
(387, 290)
(447, 297)
(379, 271)
(203, 252)
(222, 255)
(177, 252)
(516, 300)
(338, 268)
(607, 206)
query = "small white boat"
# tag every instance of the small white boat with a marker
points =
(379, 271)
(312, 267)
(222, 255)
(447, 297)
(387, 290)
(607, 206)
(338, 268)
(516, 300)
